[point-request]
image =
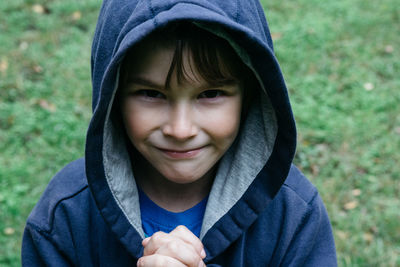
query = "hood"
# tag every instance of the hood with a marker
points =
(255, 166)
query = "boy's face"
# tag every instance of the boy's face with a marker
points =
(183, 130)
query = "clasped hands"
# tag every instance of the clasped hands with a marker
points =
(179, 248)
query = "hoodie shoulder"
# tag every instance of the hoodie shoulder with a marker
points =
(300, 185)
(66, 184)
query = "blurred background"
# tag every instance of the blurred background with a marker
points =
(341, 62)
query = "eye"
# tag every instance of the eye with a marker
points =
(149, 93)
(211, 94)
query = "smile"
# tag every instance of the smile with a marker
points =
(187, 154)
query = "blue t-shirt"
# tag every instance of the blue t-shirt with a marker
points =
(155, 218)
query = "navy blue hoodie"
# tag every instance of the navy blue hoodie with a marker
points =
(261, 210)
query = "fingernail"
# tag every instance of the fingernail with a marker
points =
(203, 253)
(201, 264)
(139, 263)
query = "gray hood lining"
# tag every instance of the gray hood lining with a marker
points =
(118, 169)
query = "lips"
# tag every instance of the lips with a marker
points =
(177, 154)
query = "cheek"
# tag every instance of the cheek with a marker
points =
(136, 121)
(223, 124)
(132, 127)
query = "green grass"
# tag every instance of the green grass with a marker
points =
(341, 61)
(45, 103)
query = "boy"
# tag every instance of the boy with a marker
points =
(188, 154)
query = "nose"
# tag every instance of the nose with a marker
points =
(180, 124)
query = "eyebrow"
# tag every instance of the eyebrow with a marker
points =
(145, 82)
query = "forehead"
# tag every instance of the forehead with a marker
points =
(152, 67)
(192, 58)
(149, 60)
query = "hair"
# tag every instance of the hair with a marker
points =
(213, 58)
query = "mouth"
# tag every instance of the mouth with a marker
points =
(181, 154)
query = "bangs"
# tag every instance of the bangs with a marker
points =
(209, 58)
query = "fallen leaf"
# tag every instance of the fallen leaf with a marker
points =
(368, 86)
(37, 69)
(23, 46)
(9, 231)
(77, 15)
(39, 9)
(46, 105)
(368, 237)
(361, 170)
(10, 121)
(389, 49)
(314, 169)
(350, 205)
(373, 229)
(356, 192)
(342, 235)
(321, 147)
(3, 65)
(276, 35)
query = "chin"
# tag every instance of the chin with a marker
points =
(183, 177)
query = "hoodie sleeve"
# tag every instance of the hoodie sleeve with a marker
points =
(39, 250)
(49, 238)
(313, 243)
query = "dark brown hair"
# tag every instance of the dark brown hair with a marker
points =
(212, 57)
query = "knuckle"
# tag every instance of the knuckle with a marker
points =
(194, 260)
(173, 246)
(157, 234)
(142, 262)
(181, 228)
(157, 237)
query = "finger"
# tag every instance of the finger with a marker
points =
(182, 251)
(156, 241)
(145, 241)
(186, 235)
(157, 260)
